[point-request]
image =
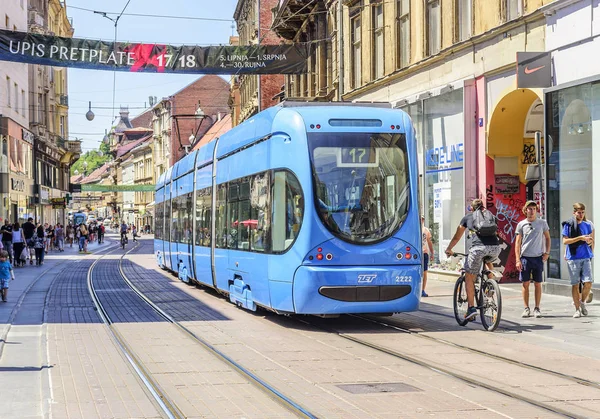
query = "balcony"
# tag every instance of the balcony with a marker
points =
(74, 147)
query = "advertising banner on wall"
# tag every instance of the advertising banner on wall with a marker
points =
(153, 58)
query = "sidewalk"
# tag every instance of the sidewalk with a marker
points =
(556, 328)
(23, 373)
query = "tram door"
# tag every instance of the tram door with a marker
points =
(167, 227)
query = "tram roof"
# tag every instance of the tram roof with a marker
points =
(261, 124)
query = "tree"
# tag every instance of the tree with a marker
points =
(94, 159)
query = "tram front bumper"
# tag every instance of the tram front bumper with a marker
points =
(351, 289)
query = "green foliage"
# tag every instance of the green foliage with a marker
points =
(94, 159)
(105, 148)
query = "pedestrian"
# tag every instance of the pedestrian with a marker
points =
(134, 233)
(427, 253)
(578, 238)
(6, 274)
(6, 230)
(83, 237)
(39, 244)
(482, 227)
(70, 234)
(59, 232)
(101, 231)
(18, 242)
(532, 249)
(29, 230)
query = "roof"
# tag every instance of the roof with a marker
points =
(143, 120)
(128, 147)
(215, 131)
(96, 174)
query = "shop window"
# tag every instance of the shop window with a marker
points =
(570, 169)
(444, 190)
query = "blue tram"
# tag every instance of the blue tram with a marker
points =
(305, 208)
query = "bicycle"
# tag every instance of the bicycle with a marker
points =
(487, 297)
(123, 240)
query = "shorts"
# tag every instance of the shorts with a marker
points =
(425, 262)
(4, 283)
(476, 254)
(580, 270)
(533, 268)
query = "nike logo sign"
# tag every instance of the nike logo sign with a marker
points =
(533, 70)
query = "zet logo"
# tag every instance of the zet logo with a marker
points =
(366, 278)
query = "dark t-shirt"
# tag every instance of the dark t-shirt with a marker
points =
(467, 221)
(5, 236)
(28, 229)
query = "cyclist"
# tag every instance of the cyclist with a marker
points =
(482, 245)
(124, 229)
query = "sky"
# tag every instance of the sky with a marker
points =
(133, 89)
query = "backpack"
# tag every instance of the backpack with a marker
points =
(484, 223)
(83, 230)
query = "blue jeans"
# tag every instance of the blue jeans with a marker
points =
(580, 270)
(81, 243)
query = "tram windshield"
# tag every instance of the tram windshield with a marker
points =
(361, 181)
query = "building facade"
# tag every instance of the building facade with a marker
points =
(254, 19)
(572, 117)
(48, 116)
(16, 141)
(451, 64)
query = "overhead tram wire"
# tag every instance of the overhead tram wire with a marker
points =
(156, 16)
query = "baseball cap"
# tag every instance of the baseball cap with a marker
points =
(528, 204)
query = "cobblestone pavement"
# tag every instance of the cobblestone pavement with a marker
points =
(60, 361)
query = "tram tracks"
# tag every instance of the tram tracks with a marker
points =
(572, 378)
(168, 406)
(452, 372)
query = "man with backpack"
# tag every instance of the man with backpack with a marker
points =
(482, 228)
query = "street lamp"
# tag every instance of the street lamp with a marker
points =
(90, 115)
(85, 166)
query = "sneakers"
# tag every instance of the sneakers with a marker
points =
(583, 309)
(577, 314)
(536, 313)
(526, 312)
(471, 314)
(424, 294)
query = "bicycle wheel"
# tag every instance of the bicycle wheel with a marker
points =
(460, 301)
(490, 305)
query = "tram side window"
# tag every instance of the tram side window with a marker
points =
(174, 220)
(187, 201)
(167, 219)
(232, 215)
(221, 217)
(203, 217)
(260, 199)
(287, 210)
(243, 222)
(158, 221)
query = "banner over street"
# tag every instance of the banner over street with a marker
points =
(152, 58)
